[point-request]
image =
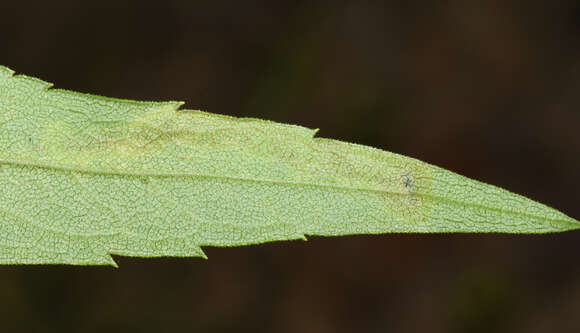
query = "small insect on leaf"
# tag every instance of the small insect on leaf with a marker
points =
(84, 177)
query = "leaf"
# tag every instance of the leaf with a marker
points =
(84, 177)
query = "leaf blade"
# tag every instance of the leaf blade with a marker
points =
(86, 176)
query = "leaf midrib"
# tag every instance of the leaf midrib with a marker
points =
(133, 173)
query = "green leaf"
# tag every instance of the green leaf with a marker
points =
(84, 177)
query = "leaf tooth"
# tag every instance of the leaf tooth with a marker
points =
(109, 261)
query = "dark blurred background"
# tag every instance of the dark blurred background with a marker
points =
(489, 89)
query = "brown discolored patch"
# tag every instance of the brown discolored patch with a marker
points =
(412, 183)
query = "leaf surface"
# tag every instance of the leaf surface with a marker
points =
(84, 177)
